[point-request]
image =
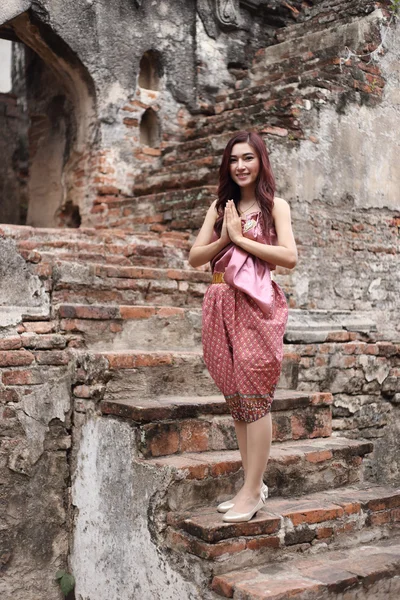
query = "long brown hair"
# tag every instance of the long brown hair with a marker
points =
(265, 182)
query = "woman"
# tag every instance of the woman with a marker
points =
(245, 234)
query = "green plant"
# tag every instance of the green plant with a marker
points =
(373, 85)
(395, 6)
(66, 581)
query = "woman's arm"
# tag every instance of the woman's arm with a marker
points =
(203, 250)
(285, 253)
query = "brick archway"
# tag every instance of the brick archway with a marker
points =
(55, 100)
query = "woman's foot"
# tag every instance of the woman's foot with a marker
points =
(246, 500)
(236, 516)
(229, 504)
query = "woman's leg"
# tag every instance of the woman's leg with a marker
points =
(258, 446)
(241, 435)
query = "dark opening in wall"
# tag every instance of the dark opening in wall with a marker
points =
(69, 215)
(150, 71)
(46, 127)
(150, 129)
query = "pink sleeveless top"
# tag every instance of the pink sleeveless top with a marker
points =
(245, 271)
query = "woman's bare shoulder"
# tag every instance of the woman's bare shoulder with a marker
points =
(280, 205)
(280, 201)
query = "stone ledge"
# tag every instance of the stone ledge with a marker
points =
(333, 507)
(177, 407)
(332, 572)
(313, 455)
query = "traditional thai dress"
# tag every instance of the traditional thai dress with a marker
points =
(244, 319)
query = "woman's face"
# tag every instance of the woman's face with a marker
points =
(244, 164)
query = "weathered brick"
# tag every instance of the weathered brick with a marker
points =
(324, 532)
(321, 361)
(12, 343)
(131, 361)
(194, 436)
(16, 358)
(160, 439)
(351, 508)
(386, 349)
(52, 357)
(261, 542)
(71, 325)
(309, 350)
(313, 515)
(321, 398)
(377, 504)
(43, 342)
(354, 348)
(137, 312)
(20, 377)
(8, 396)
(319, 456)
(131, 122)
(170, 311)
(39, 327)
(338, 336)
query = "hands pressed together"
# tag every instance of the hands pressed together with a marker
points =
(231, 225)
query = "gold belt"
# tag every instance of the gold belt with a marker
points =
(218, 278)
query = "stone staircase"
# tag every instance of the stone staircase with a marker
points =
(111, 246)
(319, 505)
(125, 311)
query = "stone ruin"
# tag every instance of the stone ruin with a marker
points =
(114, 444)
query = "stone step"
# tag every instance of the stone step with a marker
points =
(310, 524)
(142, 374)
(276, 87)
(109, 237)
(156, 250)
(114, 239)
(152, 257)
(177, 210)
(252, 95)
(204, 160)
(198, 172)
(97, 283)
(190, 150)
(276, 111)
(176, 425)
(295, 467)
(367, 571)
(125, 327)
(317, 326)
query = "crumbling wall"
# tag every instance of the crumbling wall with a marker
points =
(342, 183)
(35, 433)
(13, 195)
(112, 494)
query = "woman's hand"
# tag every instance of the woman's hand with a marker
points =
(233, 222)
(204, 249)
(225, 239)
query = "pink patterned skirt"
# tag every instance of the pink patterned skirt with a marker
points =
(243, 349)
